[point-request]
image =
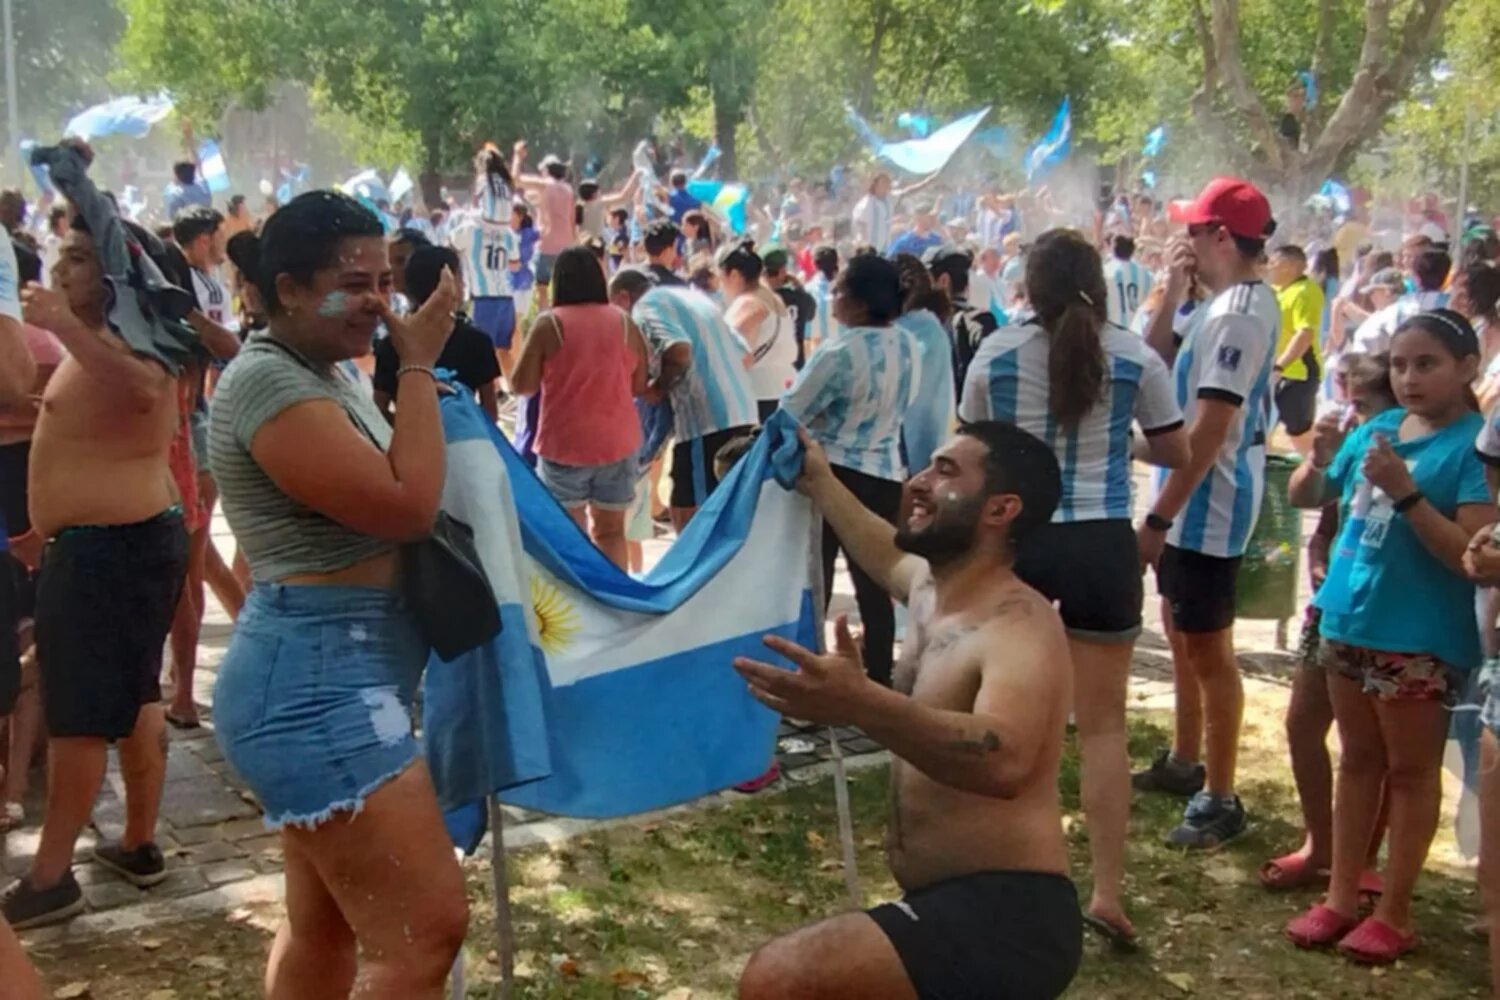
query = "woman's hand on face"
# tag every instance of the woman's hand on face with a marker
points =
(419, 338)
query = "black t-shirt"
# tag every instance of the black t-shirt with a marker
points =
(469, 354)
(665, 276)
(803, 308)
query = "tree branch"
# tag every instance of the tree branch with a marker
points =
(1378, 80)
(1238, 88)
(1322, 45)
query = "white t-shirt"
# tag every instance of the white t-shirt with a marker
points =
(775, 353)
(213, 300)
(872, 221)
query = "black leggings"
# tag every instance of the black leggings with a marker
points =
(883, 498)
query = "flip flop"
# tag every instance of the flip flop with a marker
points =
(1375, 942)
(1319, 927)
(177, 722)
(1118, 938)
(1290, 872)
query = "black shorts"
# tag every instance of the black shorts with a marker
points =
(14, 462)
(1297, 404)
(694, 457)
(1200, 589)
(104, 604)
(1092, 569)
(766, 407)
(988, 936)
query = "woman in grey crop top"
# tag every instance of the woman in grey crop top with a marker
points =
(313, 701)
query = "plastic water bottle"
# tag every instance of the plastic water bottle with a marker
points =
(1364, 496)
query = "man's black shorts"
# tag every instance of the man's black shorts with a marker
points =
(1297, 404)
(988, 936)
(104, 603)
(1092, 569)
(698, 454)
(1199, 589)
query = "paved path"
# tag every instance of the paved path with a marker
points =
(220, 855)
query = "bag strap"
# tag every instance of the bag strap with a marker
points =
(354, 417)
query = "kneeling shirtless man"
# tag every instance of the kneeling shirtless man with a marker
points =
(975, 724)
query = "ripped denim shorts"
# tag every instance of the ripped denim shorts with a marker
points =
(313, 703)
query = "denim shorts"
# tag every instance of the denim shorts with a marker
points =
(542, 267)
(313, 703)
(608, 487)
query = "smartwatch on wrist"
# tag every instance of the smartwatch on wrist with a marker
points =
(1156, 522)
(1407, 502)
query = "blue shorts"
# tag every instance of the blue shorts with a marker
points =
(608, 487)
(496, 316)
(542, 267)
(312, 707)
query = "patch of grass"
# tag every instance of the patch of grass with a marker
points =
(674, 908)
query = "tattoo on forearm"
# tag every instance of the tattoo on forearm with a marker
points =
(987, 743)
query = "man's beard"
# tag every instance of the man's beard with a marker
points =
(948, 537)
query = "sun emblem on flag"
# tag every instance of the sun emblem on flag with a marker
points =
(556, 620)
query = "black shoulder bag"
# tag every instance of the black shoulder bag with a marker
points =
(442, 578)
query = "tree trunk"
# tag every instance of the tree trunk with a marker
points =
(430, 180)
(727, 115)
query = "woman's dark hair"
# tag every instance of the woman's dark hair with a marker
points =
(1326, 263)
(1065, 286)
(588, 189)
(1482, 286)
(874, 283)
(917, 291)
(28, 265)
(826, 260)
(490, 163)
(741, 256)
(699, 221)
(577, 278)
(243, 251)
(424, 269)
(1431, 268)
(1379, 260)
(303, 236)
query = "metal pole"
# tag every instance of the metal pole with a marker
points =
(12, 116)
(1463, 175)
(505, 944)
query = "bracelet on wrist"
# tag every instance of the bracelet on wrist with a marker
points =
(1407, 502)
(1158, 523)
(427, 370)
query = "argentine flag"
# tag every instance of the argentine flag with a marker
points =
(1053, 146)
(606, 695)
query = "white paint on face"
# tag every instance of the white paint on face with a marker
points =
(334, 304)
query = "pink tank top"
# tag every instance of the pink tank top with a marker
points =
(555, 214)
(588, 411)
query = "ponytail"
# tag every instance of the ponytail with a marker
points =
(1075, 362)
(1065, 285)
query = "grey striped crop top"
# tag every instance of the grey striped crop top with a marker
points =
(280, 536)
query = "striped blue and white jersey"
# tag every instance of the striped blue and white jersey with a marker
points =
(715, 394)
(1008, 380)
(929, 420)
(823, 327)
(853, 398)
(10, 279)
(1128, 284)
(492, 202)
(991, 227)
(488, 250)
(872, 222)
(1228, 348)
(1374, 334)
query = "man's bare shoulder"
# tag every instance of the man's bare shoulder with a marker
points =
(1020, 613)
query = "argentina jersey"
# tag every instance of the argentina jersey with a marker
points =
(715, 393)
(854, 395)
(872, 216)
(1226, 355)
(823, 327)
(1128, 284)
(10, 280)
(1008, 380)
(488, 250)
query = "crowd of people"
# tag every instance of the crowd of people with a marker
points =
(974, 386)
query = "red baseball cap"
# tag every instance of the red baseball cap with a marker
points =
(1236, 205)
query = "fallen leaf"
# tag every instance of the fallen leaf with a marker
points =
(1181, 980)
(211, 962)
(1225, 874)
(815, 840)
(151, 944)
(162, 995)
(829, 865)
(626, 978)
(1198, 918)
(72, 991)
(687, 943)
(566, 966)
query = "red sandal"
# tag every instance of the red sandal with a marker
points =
(1319, 927)
(1291, 872)
(1375, 942)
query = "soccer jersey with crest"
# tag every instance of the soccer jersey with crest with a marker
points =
(1227, 352)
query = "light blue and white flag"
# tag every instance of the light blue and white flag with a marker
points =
(367, 184)
(1053, 146)
(212, 167)
(606, 695)
(401, 185)
(129, 116)
(1155, 139)
(932, 153)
